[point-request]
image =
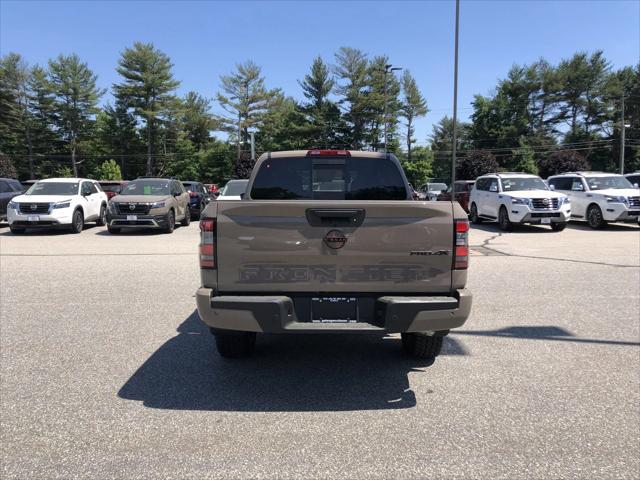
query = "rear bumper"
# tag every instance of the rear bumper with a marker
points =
(276, 314)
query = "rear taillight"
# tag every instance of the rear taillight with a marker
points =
(208, 243)
(461, 257)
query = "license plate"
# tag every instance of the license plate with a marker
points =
(132, 217)
(33, 218)
(334, 310)
(546, 221)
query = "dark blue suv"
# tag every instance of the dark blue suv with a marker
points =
(199, 197)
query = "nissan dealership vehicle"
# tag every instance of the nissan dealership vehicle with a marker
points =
(9, 188)
(517, 198)
(330, 241)
(599, 197)
(58, 203)
(149, 203)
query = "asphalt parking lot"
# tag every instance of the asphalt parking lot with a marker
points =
(106, 370)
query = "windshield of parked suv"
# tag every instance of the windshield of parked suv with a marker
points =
(328, 178)
(602, 183)
(147, 187)
(53, 188)
(234, 189)
(437, 187)
(517, 184)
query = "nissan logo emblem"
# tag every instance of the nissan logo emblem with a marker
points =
(335, 239)
(132, 206)
(34, 207)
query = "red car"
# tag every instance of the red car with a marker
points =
(462, 189)
(212, 187)
(112, 187)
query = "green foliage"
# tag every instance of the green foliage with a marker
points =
(524, 159)
(413, 106)
(64, 172)
(563, 161)
(7, 168)
(108, 170)
(417, 171)
(474, 164)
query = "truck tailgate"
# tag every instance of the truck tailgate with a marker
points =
(334, 246)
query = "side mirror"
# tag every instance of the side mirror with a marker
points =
(493, 188)
(636, 185)
(242, 196)
(552, 187)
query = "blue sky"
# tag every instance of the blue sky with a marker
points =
(206, 39)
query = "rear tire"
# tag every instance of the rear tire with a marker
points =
(473, 214)
(503, 220)
(187, 218)
(102, 219)
(232, 344)
(16, 230)
(558, 227)
(595, 218)
(421, 345)
(77, 222)
(170, 222)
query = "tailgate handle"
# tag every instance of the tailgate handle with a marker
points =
(335, 217)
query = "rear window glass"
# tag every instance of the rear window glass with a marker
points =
(307, 178)
(111, 187)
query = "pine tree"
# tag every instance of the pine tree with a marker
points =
(76, 96)
(351, 72)
(413, 106)
(147, 88)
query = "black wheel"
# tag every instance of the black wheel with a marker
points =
(170, 222)
(77, 222)
(234, 344)
(503, 220)
(473, 214)
(187, 218)
(102, 219)
(16, 230)
(558, 227)
(421, 345)
(594, 217)
(113, 229)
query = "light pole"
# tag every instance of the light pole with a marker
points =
(455, 104)
(622, 132)
(387, 68)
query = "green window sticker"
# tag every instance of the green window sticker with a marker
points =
(147, 189)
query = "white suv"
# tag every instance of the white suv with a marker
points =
(512, 198)
(599, 197)
(56, 203)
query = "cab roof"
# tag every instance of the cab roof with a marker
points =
(65, 180)
(584, 173)
(509, 174)
(341, 153)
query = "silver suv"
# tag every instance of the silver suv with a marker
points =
(150, 203)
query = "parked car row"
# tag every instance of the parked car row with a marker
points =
(69, 203)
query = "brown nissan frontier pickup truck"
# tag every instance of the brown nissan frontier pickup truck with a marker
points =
(330, 241)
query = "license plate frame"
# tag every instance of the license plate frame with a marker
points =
(131, 218)
(334, 310)
(546, 221)
(33, 218)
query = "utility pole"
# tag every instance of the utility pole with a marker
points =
(387, 68)
(455, 104)
(622, 129)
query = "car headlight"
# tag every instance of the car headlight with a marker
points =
(520, 201)
(564, 201)
(13, 205)
(111, 207)
(156, 205)
(614, 199)
(65, 204)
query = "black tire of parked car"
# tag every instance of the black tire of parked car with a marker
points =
(77, 222)
(503, 220)
(16, 230)
(595, 218)
(232, 344)
(170, 222)
(187, 218)
(421, 345)
(558, 227)
(102, 219)
(473, 214)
